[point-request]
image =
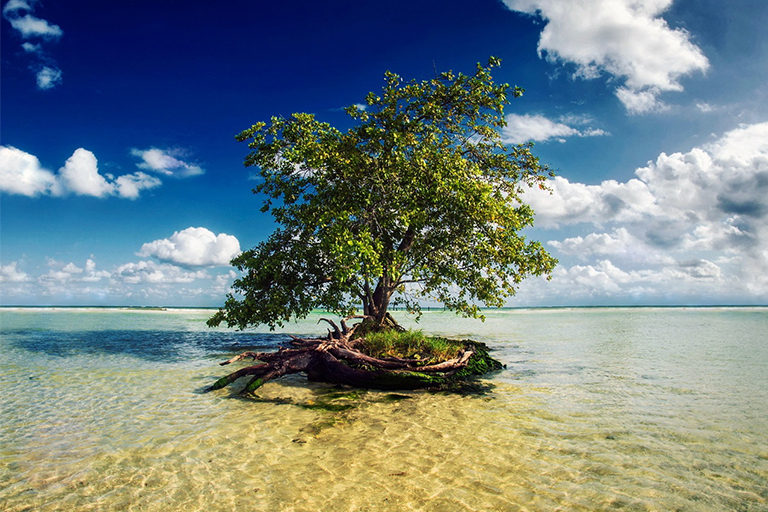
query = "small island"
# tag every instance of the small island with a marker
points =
(418, 201)
(387, 360)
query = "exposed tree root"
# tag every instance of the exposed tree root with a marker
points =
(337, 359)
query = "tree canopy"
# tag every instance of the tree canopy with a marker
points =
(419, 200)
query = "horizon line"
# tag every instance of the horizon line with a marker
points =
(424, 309)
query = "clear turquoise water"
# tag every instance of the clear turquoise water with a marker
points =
(598, 409)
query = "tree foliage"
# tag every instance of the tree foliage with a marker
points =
(419, 199)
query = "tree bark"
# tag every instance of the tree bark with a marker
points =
(336, 359)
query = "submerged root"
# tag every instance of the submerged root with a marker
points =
(337, 359)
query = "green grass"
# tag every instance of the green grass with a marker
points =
(410, 345)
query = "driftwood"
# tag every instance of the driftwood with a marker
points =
(337, 359)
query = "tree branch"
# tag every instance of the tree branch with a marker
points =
(336, 331)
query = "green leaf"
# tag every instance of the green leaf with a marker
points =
(419, 199)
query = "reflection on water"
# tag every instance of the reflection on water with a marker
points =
(149, 345)
(598, 410)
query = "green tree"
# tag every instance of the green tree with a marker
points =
(419, 199)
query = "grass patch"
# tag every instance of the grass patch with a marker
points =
(410, 344)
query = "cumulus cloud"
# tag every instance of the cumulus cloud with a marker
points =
(222, 284)
(619, 244)
(695, 222)
(724, 182)
(573, 203)
(530, 128)
(699, 269)
(21, 173)
(604, 277)
(90, 274)
(142, 282)
(155, 273)
(71, 268)
(65, 277)
(10, 273)
(166, 162)
(626, 39)
(80, 175)
(197, 247)
(641, 102)
(129, 186)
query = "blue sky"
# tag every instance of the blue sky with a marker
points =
(121, 182)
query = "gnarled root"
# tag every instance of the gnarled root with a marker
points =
(336, 359)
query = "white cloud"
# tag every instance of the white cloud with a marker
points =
(193, 247)
(60, 274)
(641, 102)
(80, 175)
(626, 39)
(71, 268)
(22, 174)
(691, 225)
(12, 7)
(10, 273)
(130, 186)
(573, 203)
(593, 132)
(222, 284)
(525, 128)
(54, 277)
(90, 274)
(155, 273)
(603, 277)
(30, 26)
(603, 282)
(700, 269)
(143, 282)
(722, 182)
(620, 245)
(48, 77)
(166, 161)
(745, 147)
(19, 15)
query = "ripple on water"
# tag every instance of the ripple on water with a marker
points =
(573, 427)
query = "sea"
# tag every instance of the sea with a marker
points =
(637, 409)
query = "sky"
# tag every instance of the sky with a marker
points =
(121, 182)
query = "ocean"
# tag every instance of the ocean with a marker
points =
(647, 409)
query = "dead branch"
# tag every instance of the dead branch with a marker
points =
(336, 331)
(336, 359)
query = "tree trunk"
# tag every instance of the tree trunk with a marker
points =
(379, 306)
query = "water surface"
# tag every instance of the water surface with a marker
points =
(598, 409)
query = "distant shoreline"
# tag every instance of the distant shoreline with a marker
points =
(425, 309)
(118, 308)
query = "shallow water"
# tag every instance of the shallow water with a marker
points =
(598, 409)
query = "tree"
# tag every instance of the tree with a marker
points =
(419, 199)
